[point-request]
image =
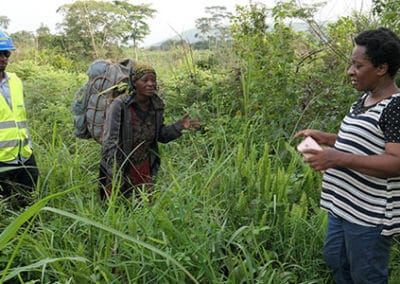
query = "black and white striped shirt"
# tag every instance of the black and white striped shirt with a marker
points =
(360, 198)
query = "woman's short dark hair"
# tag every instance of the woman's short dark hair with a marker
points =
(382, 46)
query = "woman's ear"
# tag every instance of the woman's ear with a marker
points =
(382, 69)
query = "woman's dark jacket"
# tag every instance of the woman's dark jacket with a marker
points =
(117, 143)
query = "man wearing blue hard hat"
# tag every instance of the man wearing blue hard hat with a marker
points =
(18, 170)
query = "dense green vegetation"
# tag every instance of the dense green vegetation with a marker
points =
(233, 203)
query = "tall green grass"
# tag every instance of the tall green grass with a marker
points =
(223, 216)
(233, 203)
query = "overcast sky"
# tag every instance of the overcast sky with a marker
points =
(172, 15)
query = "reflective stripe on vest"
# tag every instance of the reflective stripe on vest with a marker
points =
(13, 125)
(7, 124)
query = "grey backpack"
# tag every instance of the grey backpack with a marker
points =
(105, 81)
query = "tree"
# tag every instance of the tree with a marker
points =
(213, 28)
(4, 22)
(135, 16)
(23, 40)
(44, 38)
(388, 12)
(98, 28)
(92, 26)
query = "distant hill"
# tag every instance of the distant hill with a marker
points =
(190, 35)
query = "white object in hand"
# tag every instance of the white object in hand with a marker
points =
(308, 143)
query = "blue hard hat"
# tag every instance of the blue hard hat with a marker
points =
(6, 42)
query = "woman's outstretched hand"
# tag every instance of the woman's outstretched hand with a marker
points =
(189, 124)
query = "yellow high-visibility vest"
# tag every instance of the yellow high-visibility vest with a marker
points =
(13, 123)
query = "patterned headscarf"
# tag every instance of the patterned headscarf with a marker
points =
(139, 69)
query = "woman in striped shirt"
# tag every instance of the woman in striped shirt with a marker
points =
(361, 165)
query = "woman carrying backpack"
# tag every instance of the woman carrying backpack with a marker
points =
(133, 127)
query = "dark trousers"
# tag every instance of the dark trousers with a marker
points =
(18, 179)
(356, 254)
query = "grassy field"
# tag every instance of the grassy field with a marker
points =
(233, 202)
